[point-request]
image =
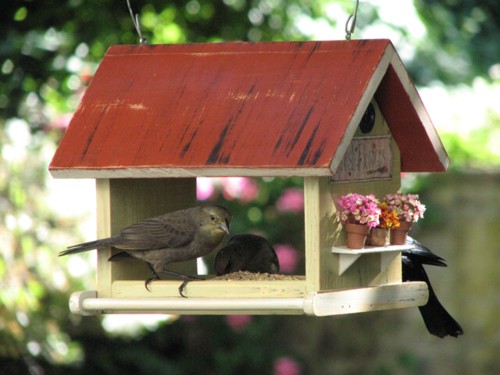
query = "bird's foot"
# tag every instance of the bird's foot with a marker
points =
(148, 281)
(152, 278)
(186, 279)
(185, 282)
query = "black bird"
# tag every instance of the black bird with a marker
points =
(246, 252)
(437, 320)
(174, 237)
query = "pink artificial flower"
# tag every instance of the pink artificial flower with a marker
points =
(407, 206)
(359, 209)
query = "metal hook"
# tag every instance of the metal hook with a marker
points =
(349, 29)
(137, 24)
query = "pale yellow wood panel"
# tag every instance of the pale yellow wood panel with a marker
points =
(122, 202)
(210, 289)
(385, 297)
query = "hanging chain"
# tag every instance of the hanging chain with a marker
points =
(350, 25)
(137, 24)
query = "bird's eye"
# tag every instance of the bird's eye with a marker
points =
(212, 217)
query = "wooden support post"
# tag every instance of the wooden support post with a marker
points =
(320, 227)
(323, 231)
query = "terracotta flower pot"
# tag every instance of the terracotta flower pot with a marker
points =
(398, 235)
(356, 235)
(377, 237)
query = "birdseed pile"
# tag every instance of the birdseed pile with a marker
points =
(245, 275)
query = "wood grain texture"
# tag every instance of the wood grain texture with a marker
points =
(384, 297)
(324, 303)
(409, 122)
(229, 109)
(211, 289)
(323, 231)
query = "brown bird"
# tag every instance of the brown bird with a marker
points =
(246, 252)
(174, 237)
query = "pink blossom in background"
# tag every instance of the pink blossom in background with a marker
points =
(286, 366)
(238, 322)
(86, 75)
(189, 318)
(204, 188)
(292, 200)
(60, 122)
(288, 257)
(243, 188)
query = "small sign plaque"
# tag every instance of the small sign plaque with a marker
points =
(366, 159)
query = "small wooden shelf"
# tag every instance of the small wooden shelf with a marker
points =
(347, 256)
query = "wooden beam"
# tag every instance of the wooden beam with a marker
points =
(318, 304)
(210, 289)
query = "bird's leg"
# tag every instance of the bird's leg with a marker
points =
(154, 277)
(186, 278)
(185, 282)
(182, 286)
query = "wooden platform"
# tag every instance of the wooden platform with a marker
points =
(323, 303)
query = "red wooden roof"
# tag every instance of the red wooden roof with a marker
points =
(241, 109)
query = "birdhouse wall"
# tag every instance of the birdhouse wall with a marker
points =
(323, 231)
(122, 202)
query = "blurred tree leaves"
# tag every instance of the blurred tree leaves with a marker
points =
(33, 302)
(462, 41)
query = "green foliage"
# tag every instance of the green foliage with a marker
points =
(477, 149)
(33, 308)
(466, 34)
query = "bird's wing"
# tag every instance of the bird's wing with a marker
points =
(161, 232)
(422, 254)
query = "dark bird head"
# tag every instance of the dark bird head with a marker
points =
(246, 252)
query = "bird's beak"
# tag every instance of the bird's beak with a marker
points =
(223, 226)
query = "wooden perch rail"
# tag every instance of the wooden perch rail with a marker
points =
(316, 303)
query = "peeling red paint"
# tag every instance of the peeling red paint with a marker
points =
(234, 105)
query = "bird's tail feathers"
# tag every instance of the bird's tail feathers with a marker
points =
(438, 321)
(86, 246)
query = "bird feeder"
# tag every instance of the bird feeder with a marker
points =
(344, 115)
